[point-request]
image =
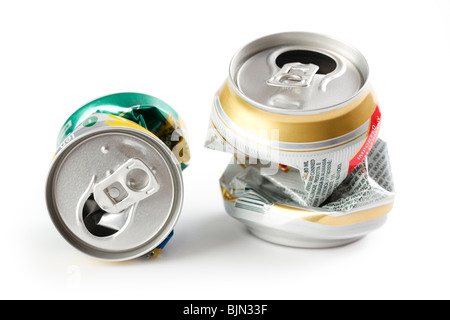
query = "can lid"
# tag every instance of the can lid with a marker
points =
(115, 192)
(298, 73)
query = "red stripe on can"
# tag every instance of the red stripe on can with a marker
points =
(371, 138)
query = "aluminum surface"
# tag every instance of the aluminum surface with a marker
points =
(267, 74)
(291, 231)
(89, 160)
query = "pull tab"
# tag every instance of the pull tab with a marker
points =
(294, 74)
(130, 183)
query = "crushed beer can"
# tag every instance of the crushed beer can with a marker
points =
(302, 121)
(115, 185)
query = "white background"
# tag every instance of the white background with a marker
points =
(56, 56)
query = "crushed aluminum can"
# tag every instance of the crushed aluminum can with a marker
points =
(302, 121)
(115, 185)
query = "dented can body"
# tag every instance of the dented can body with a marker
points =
(299, 114)
(115, 187)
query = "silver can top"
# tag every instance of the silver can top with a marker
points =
(115, 192)
(298, 73)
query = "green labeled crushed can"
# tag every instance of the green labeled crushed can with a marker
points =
(115, 187)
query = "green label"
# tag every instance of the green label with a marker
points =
(89, 122)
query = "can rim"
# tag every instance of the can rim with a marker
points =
(257, 45)
(152, 243)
